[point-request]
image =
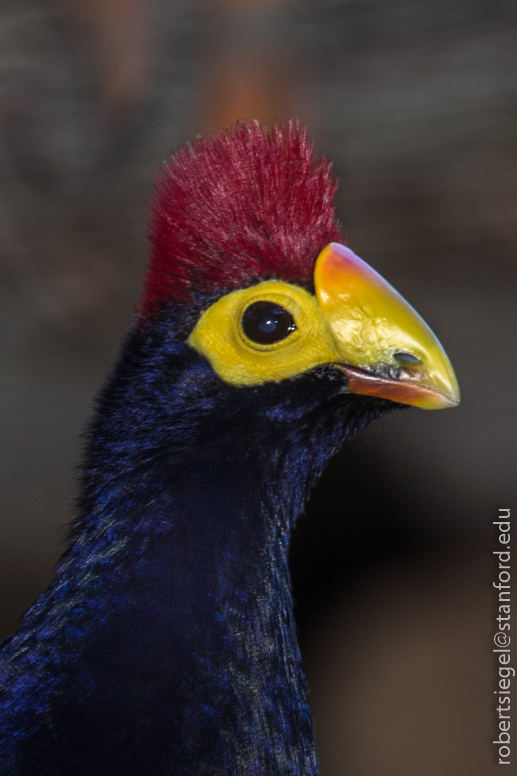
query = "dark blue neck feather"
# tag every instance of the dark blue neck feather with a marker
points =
(167, 642)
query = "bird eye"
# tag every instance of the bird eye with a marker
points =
(267, 322)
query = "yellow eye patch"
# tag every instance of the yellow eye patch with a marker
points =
(219, 336)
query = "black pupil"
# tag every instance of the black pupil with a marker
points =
(266, 322)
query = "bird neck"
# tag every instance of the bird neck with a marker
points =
(168, 634)
(209, 638)
(229, 615)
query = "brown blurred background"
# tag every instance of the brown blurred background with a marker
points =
(416, 102)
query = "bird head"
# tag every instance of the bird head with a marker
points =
(246, 245)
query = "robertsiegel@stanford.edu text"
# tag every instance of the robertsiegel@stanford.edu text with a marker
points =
(502, 639)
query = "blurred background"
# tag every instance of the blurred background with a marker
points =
(415, 100)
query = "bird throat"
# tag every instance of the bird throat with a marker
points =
(244, 695)
(209, 637)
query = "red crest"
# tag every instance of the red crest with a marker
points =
(248, 204)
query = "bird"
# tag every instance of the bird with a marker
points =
(166, 643)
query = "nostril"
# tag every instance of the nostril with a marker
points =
(408, 359)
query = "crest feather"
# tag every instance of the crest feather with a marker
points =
(249, 204)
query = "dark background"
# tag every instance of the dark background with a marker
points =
(416, 103)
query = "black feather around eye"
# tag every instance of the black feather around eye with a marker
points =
(267, 322)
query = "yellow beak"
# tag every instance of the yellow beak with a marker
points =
(386, 349)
